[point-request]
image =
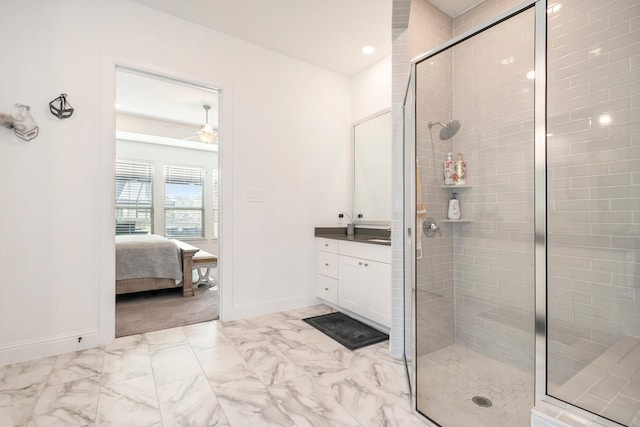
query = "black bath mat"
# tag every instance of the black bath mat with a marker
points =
(349, 332)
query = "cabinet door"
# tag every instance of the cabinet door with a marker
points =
(352, 284)
(378, 292)
(365, 288)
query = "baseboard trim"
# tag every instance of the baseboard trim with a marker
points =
(49, 346)
(272, 306)
(366, 321)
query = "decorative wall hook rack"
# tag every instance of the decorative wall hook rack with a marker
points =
(22, 125)
(62, 110)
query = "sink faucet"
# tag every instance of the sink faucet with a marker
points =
(351, 227)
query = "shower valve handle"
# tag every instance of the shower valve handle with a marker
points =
(431, 228)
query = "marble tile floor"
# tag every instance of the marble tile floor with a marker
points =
(450, 377)
(272, 370)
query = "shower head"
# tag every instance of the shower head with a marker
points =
(448, 130)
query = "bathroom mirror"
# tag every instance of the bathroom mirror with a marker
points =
(372, 169)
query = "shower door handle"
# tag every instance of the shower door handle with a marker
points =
(430, 227)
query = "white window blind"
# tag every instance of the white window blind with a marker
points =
(134, 198)
(184, 202)
(216, 204)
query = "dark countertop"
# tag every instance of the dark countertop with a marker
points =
(362, 235)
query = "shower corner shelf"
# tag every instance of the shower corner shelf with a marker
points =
(457, 220)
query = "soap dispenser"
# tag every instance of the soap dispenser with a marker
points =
(454, 208)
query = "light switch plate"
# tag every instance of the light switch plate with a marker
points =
(255, 195)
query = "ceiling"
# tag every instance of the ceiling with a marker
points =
(149, 96)
(327, 33)
(161, 110)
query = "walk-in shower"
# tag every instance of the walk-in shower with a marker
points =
(532, 296)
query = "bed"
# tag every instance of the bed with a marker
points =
(149, 262)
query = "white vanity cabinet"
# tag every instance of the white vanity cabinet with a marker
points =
(362, 280)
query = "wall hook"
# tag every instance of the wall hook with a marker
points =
(22, 125)
(63, 110)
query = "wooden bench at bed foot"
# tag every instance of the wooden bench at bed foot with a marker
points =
(203, 260)
(200, 260)
(188, 252)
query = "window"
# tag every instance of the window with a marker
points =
(184, 202)
(134, 198)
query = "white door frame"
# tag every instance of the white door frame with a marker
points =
(106, 271)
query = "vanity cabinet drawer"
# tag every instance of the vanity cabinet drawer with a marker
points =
(328, 264)
(326, 245)
(327, 289)
(380, 253)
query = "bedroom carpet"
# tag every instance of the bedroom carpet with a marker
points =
(162, 309)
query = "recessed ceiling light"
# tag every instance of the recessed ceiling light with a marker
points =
(368, 50)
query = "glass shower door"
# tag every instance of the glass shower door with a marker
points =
(474, 275)
(593, 205)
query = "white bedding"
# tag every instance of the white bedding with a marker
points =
(147, 256)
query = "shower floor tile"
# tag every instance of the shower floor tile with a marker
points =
(610, 385)
(449, 378)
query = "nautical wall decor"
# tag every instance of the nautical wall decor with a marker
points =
(22, 124)
(60, 108)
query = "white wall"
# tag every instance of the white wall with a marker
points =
(285, 130)
(371, 90)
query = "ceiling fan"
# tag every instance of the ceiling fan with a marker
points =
(207, 133)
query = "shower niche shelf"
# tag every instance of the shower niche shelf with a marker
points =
(453, 187)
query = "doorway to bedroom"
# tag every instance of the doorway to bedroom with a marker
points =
(166, 202)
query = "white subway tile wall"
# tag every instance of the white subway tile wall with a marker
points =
(400, 339)
(429, 28)
(481, 13)
(494, 255)
(593, 155)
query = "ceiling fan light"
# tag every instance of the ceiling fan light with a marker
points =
(207, 133)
